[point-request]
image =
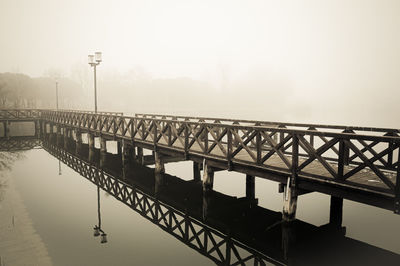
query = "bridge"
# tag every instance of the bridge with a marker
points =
(346, 162)
(227, 230)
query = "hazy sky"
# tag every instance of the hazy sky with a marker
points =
(324, 48)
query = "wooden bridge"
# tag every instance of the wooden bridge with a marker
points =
(227, 230)
(356, 163)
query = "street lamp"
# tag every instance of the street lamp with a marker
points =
(57, 94)
(93, 61)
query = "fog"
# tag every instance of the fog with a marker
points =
(332, 62)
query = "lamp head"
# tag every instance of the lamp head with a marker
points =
(97, 56)
(91, 59)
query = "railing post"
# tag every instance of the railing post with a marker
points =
(169, 125)
(258, 144)
(341, 159)
(186, 141)
(155, 135)
(205, 132)
(397, 186)
(346, 154)
(390, 154)
(229, 148)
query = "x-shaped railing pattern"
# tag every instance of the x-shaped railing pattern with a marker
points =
(338, 154)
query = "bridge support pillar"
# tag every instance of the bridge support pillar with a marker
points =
(250, 187)
(140, 155)
(126, 152)
(159, 164)
(131, 153)
(66, 132)
(6, 126)
(197, 167)
(336, 212)
(38, 129)
(58, 132)
(91, 146)
(103, 145)
(51, 132)
(78, 144)
(119, 147)
(289, 202)
(90, 140)
(208, 177)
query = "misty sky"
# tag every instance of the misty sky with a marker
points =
(320, 50)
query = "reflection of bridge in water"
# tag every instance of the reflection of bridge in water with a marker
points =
(228, 230)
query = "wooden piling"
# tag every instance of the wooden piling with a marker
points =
(250, 187)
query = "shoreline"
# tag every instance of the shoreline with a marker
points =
(20, 244)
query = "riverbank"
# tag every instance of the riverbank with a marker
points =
(19, 242)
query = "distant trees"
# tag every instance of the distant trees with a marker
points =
(22, 91)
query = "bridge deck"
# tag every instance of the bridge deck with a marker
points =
(352, 162)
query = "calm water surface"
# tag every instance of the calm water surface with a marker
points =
(63, 208)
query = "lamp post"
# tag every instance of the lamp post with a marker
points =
(57, 94)
(93, 61)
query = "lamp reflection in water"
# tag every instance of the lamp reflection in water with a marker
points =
(97, 231)
(59, 167)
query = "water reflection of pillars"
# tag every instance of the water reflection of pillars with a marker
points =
(206, 203)
(97, 228)
(208, 183)
(288, 240)
(59, 167)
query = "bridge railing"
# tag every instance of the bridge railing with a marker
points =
(31, 114)
(341, 157)
(19, 114)
(301, 126)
